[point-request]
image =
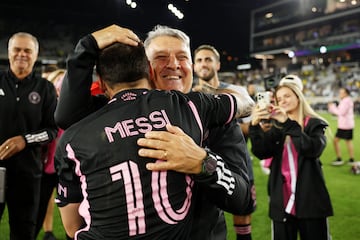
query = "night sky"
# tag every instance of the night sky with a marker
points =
(222, 23)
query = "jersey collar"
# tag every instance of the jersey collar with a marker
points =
(129, 94)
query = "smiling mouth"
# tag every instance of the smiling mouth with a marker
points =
(20, 60)
(172, 78)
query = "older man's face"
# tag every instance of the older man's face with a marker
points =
(171, 62)
(22, 54)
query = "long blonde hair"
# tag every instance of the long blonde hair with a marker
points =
(56, 77)
(305, 110)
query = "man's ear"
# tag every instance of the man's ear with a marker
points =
(151, 72)
(218, 66)
(102, 85)
(151, 76)
(104, 88)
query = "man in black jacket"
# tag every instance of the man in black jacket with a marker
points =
(27, 105)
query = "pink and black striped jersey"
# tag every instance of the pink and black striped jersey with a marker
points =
(98, 164)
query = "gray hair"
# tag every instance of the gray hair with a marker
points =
(161, 30)
(27, 35)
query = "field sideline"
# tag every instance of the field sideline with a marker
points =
(343, 187)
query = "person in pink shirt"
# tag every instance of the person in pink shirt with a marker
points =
(346, 123)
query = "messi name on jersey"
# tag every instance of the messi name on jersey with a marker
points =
(140, 125)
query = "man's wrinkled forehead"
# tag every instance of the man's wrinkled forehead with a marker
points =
(205, 54)
(22, 43)
(169, 45)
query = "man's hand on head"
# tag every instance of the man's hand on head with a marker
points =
(113, 34)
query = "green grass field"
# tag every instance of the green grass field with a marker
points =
(343, 187)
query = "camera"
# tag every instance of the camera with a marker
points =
(2, 184)
(271, 82)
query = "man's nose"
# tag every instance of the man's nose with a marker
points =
(22, 52)
(173, 62)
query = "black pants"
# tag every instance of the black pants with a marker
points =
(48, 183)
(308, 229)
(22, 199)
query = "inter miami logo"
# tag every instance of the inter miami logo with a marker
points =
(128, 96)
(34, 97)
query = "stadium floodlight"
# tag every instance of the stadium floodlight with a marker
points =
(323, 49)
(175, 11)
(131, 3)
(291, 54)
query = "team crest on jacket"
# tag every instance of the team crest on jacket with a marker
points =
(128, 96)
(34, 97)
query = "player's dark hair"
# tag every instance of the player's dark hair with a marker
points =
(120, 63)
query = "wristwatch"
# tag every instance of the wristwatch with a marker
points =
(209, 163)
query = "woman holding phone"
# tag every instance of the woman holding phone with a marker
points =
(299, 200)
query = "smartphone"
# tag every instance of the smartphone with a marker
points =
(2, 184)
(263, 99)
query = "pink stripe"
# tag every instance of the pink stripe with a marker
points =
(306, 121)
(232, 105)
(197, 117)
(242, 230)
(289, 170)
(161, 198)
(84, 205)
